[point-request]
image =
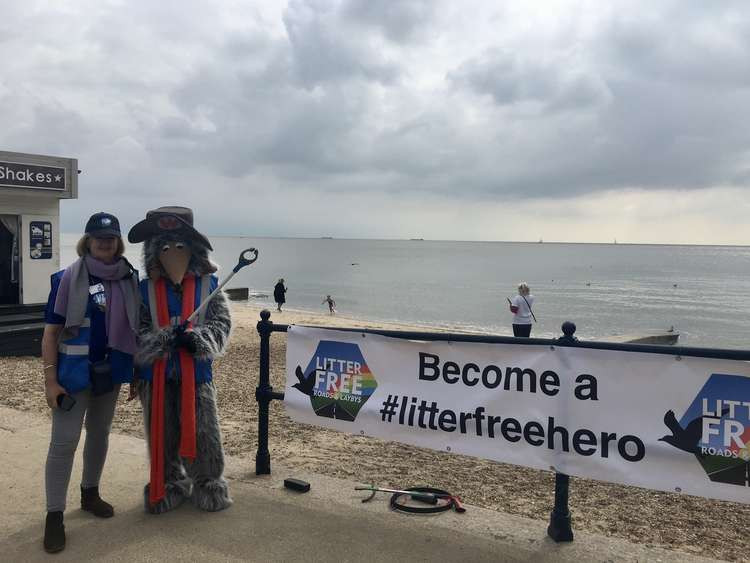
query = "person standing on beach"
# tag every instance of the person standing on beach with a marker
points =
(279, 293)
(331, 304)
(520, 306)
(89, 339)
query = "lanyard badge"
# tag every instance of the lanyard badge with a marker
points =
(98, 295)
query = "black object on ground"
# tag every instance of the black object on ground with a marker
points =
(415, 495)
(297, 485)
(445, 501)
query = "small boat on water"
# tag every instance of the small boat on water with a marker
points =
(667, 337)
(237, 293)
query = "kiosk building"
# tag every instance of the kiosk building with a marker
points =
(31, 188)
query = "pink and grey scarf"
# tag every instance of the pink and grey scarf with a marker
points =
(123, 299)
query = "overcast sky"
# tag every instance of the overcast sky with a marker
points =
(472, 120)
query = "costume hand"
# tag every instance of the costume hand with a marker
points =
(185, 338)
(51, 390)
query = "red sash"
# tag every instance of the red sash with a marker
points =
(187, 397)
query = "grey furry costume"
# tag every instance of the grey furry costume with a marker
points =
(202, 480)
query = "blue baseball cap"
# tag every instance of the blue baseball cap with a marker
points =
(102, 225)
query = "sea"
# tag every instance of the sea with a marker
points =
(702, 292)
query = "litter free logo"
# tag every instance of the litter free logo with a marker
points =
(337, 380)
(716, 429)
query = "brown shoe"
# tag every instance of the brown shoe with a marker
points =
(54, 532)
(92, 502)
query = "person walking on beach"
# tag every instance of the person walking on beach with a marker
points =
(520, 306)
(89, 339)
(279, 293)
(331, 304)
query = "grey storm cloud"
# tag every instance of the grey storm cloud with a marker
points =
(655, 104)
(511, 78)
(401, 21)
(324, 50)
(700, 48)
(417, 97)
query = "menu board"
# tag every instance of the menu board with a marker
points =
(40, 240)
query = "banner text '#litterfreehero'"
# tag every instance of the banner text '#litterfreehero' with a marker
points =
(413, 412)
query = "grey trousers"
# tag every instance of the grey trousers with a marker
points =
(66, 431)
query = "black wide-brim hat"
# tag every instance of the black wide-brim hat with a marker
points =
(167, 220)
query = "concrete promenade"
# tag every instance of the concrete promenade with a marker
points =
(266, 523)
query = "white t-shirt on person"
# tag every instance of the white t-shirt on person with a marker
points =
(523, 315)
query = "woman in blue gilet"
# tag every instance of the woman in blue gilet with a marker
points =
(87, 349)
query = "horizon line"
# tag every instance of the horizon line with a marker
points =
(325, 237)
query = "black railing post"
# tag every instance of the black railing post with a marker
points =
(263, 394)
(559, 528)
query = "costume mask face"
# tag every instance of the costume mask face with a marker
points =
(175, 257)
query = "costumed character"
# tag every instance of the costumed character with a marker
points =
(176, 389)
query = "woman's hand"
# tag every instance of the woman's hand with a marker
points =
(50, 338)
(51, 390)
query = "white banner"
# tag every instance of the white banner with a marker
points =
(658, 421)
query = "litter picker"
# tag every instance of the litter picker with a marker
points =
(441, 500)
(416, 495)
(241, 263)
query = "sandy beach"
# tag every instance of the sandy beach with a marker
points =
(689, 524)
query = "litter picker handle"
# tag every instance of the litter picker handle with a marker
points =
(429, 498)
(241, 263)
(457, 506)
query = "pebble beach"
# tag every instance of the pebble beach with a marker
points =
(689, 524)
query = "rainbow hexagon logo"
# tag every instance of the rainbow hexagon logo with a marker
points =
(337, 380)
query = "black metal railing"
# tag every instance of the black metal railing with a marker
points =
(559, 528)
